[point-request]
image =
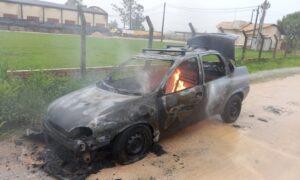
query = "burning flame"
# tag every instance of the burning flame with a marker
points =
(175, 82)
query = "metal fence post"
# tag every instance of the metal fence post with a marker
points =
(245, 45)
(261, 46)
(82, 42)
(275, 48)
(151, 30)
(192, 29)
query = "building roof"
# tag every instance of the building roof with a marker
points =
(250, 27)
(240, 25)
(232, 25)
(93, 9)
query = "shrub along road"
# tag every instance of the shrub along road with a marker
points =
(262, 144)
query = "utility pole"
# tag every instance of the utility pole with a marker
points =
(253, 10)
(256, 19)
(255, 24)
(266, 5)
(163, 24)
(130, 14)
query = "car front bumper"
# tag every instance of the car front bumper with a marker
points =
(77, 145)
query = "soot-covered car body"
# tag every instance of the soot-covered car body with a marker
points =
(153, 94)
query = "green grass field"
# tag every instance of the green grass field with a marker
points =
(44, 51)
(38, 51)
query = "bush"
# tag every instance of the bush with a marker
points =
(23, 102)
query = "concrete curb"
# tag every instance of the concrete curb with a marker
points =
(271, 74)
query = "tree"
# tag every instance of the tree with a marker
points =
(113, 24)
(73, 2)
(290, 28)
(138, 18)
(131, 14)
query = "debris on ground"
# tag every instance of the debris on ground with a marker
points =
(263, 120)
(34, 135)
(157, 150)
(237, 126)
(73, 168)
(61, 163)
(252, 115)
(18, 142)
(274, 110)
(293, 103)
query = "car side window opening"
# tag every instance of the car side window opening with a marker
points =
(185, 76)
(213, 66)
(139, 75)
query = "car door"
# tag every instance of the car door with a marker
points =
(182, 93)
(216, 86)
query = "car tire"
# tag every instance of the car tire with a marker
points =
(232, 109)
(132, 145)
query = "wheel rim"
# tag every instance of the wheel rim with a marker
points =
(234, 109)
(135, 144)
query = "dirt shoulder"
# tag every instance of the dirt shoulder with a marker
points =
(262, 144)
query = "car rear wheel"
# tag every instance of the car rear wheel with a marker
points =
(232, 109)
(132, 145)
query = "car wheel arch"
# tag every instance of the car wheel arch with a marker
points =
(238, 92)
(146, 124)
(81, 131)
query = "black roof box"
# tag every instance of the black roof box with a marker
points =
(223, 43)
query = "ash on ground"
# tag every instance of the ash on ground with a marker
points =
(61, 163)
(67, 166)
(71, 167)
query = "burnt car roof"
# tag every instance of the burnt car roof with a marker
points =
(209, 43)
(165, 54)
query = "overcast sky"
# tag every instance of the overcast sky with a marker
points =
(180, 12)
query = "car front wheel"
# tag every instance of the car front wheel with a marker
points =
(132, 145)
(232, 109)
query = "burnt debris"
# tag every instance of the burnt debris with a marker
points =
(275, 110)
(61, 163)
(263, 120)
(157, 150)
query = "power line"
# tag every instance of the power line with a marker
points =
(159, 6)
(218, 12)
(210, 9)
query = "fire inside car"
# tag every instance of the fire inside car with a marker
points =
(185, 76)
(144, 76)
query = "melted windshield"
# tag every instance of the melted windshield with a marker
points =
(137, 76)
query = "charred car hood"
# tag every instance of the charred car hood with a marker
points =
(79, 108)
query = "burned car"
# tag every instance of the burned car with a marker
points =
(153, 94)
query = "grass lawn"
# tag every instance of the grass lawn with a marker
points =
(44, 51)
(256, 65)
(38, 51)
